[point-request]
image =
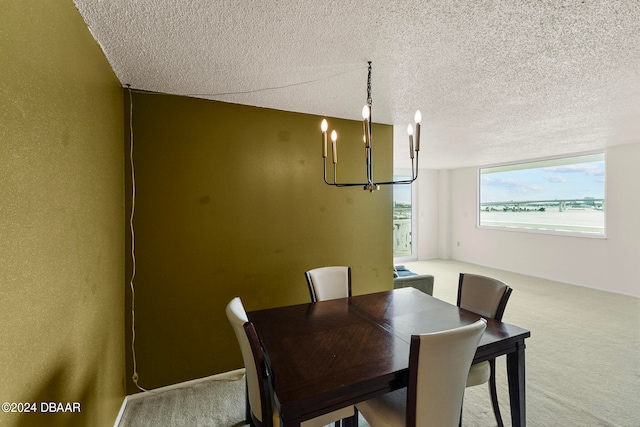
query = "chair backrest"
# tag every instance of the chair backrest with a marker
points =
(329, 283)
(238, 318)
(439, 363)
(483, 295)
(263, 375)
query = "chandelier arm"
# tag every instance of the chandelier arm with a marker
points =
(351, 185)
(325, 173)
(339, 184)
(324, 161)
(403, 181)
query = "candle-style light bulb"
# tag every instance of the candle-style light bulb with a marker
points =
(418, 119)
(410, 132)
(365, 112)
(324, 126)
(334, 139)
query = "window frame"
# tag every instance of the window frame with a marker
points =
(514, 166)
(399, 173)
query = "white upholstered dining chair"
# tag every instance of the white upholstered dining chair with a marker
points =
(438, 367)
(260, 411)
(329, 282)
(487, 297)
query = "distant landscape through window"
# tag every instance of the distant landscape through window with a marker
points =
(402, 220)
(562, 195)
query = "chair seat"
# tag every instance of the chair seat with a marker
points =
(387, 410)
(479, 374)
(322, 420)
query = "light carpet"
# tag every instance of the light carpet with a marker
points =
(582, 361)
(217, 401)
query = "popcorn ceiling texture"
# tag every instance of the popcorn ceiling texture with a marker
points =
(496, 80)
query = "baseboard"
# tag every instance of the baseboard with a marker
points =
(122, 407)
(224, 376)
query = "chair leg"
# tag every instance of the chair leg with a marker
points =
(247, 409)
(460, 422)
(494, 393)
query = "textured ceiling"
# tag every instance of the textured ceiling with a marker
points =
(496, 81)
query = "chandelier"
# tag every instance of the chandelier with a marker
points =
(366, 121)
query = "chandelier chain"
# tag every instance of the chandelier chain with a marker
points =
(369, 101)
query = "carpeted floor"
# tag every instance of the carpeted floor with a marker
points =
(216, 401)
(582, 361)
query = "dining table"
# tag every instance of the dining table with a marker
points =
(327, 355)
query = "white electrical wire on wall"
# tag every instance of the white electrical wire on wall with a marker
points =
(133, 245)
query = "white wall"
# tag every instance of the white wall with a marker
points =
(428, 222)
(428, 225)
(611, 264)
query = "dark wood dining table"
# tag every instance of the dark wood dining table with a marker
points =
(330, 354)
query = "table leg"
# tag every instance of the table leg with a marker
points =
(515, 372)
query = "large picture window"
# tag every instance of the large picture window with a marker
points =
(563, 195)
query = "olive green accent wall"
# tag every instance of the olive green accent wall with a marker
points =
(61, 218)
(231, 202)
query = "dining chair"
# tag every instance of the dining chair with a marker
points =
(487, 297)
(260, 409)
(329, 282)
(438, 367)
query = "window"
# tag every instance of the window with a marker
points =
(563, 196)
(402, 219)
